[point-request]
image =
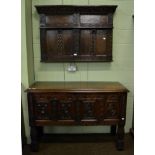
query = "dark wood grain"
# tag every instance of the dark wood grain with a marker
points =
(77, 103)
(76, 33)
(34, 139)
(61, 9)
(77, 87)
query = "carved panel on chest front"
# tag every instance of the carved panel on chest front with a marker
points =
(77, 107)
(91, 106)
(42, 111)
(112, 106)
(66, 110)
(54, 106)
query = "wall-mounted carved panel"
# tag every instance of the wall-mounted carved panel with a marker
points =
(76, 33)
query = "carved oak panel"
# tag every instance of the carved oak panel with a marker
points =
(59, 43)
(66, 110)
(112, 106)
(75, 33)
(42, 111)
(70, 106)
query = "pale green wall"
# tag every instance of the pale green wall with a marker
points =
(121, 69)
(27, 61)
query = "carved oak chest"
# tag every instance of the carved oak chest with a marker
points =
(77, 103)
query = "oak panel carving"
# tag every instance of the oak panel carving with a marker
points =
(42, 111)
(66, 110)
(75, 33)
(112, 110)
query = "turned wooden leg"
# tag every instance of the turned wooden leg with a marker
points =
(40, 131)
(34, 139)
(113, 130)
(120, 137)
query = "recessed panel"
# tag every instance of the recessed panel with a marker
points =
(85, 42)
(60, 20)
(68, 42)
(59, 43)
(103, 47)
(51, 43)
(92, 20)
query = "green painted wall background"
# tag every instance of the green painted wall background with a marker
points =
(27, 60)
(121, 69)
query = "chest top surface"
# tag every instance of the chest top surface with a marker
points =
(77, 87)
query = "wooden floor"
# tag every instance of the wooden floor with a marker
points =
(104, 147)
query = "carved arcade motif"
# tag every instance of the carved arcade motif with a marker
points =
(65, 110)
(60, 41)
